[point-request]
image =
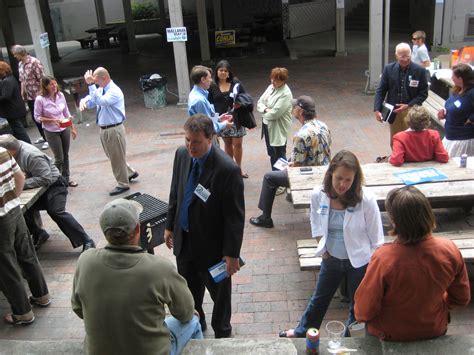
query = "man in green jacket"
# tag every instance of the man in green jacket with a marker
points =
(120, 292)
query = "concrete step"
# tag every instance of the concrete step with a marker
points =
(448, 344)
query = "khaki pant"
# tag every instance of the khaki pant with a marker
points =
(114, 144)
(400, 124)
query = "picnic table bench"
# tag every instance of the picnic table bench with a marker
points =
(30, 196)
(464, 240)
(87, 42)
(433, 104)
(457, 190)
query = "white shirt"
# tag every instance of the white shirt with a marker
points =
(362, 228)
(420, 54)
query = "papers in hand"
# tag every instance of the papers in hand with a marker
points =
(218, 271)
(281, 164)
(387, 113)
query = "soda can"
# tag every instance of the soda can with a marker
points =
(312, 341)
(463, 161)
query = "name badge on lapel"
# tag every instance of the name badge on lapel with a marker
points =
(457, 103)
(202, 193)
(414, 83)
(323, 209)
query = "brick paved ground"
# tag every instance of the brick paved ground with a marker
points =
(270, 292)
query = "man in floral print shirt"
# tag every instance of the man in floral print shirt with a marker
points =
(311, 146)
(31, 71)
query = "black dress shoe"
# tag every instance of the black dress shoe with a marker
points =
(39, 241)
(118, 190)
(133, 176)
(88, 245)
(261, 222)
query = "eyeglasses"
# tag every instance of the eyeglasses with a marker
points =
(415, 39)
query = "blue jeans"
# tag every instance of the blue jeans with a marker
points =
(181, 333)
(330, 276)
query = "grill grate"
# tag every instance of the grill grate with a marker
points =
(152, 207)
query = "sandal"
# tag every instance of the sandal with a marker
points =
(245, 175)
(290, 333)
(73, 183)
(37, 302)
(11, 319)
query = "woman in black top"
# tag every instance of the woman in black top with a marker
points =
(221, 94)
(12, 106)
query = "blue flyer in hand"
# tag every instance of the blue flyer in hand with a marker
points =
(218, 271)
(419, 176)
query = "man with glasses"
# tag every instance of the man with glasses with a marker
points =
(311, 146)
(403, 84)
(420, 52)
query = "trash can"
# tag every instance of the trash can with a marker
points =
(154, 90)
(152, 220)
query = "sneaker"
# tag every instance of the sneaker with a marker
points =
(39, 140)
(45, 146)
(11, 319)
(38, 301)
(280, 190)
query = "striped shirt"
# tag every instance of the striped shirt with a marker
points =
(8, 167)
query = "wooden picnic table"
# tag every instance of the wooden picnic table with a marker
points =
(30, 196)
(457, 190)
(103, 34)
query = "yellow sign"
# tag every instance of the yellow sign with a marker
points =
(225, 37)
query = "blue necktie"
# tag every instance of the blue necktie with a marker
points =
(188, 195)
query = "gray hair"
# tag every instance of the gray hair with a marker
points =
(17, 49)
(402, 46)
(9, 142)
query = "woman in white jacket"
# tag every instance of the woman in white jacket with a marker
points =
(346, 220)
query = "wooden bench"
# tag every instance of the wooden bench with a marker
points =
(306, 248)
(433, 104)
(87, 42)
(30, 196)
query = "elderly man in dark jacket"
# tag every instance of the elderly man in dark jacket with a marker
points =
(403, 84)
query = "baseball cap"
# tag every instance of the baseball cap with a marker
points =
(305, 102)
(120, 214)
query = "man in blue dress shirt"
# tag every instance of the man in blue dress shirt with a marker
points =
(109, 101)
(201, 77)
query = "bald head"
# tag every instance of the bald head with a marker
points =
(10, 143)
(403, 54)
(101, 77)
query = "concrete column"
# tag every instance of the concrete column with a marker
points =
(162, 25)
(99, 11)
(285, 19)
(180, 56)
(340, 29)
(438, 23)
(127, 10)
(36, 28)
(375, 43)
(203, 33)
(386, 41)
(8, 35)
(217, 6)
(48, 25)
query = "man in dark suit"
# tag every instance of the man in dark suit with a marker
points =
(205, 220)
(403, 84)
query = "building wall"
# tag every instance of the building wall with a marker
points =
(455, 14)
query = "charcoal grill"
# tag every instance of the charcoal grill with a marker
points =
(152, 220)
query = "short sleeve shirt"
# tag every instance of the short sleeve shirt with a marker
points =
(420, 54)
(311, 144)
(30, 74)
(8, 168)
